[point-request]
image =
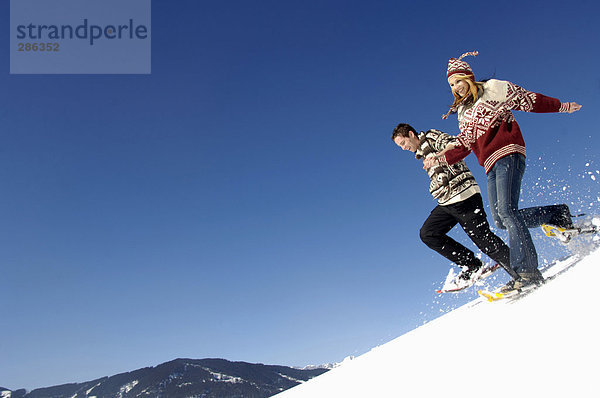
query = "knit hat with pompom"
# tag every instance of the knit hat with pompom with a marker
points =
(460, 66)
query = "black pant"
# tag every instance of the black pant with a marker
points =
(472, 218)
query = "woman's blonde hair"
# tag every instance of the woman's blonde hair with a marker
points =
(474, 91)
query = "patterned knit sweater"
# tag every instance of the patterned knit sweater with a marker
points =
(488, 126)
(448, 184)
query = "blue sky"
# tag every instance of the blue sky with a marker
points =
(245, 200)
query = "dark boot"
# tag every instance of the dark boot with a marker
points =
(467, 272)
(562, 218)
(526, 279)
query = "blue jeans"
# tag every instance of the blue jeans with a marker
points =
(504, 188)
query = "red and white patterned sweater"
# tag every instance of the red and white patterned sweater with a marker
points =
(489, 128)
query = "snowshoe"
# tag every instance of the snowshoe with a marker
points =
(566, 234)
(455, 283)
(526, 282)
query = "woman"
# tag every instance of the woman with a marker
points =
(489, 129)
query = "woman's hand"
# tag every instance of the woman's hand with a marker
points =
(573, 107)
(430, 162)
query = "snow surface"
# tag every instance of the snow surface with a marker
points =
(126, 388)
(548, 342)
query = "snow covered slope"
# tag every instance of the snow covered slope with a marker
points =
(548, 342)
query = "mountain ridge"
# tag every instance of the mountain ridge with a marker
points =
(180, 378)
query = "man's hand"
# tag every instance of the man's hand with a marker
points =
(430, 162)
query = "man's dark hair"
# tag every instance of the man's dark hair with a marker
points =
(402, 130)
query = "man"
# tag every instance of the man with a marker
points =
(459, 202)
